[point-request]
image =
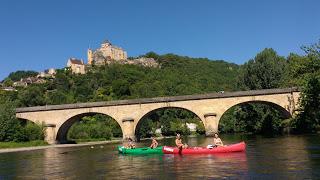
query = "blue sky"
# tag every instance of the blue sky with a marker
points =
(39, 34)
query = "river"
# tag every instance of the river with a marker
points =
(282, 157)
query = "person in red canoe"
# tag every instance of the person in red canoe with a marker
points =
(217, 141)
(154, 143)
(179, 143)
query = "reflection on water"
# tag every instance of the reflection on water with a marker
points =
(286, 157)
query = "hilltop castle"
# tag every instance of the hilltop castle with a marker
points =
(105, 53)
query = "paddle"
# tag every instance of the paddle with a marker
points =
(180, 150)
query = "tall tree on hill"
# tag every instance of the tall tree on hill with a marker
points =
(302, 68)
(265, 71)
(308, 118)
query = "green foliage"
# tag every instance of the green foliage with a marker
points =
(10, 128)
(152, 55)
(146, 128)
(171, 121)
(7, 82)
(313, 50)
(95, 127)
(16, 76)
(177, 75)
(251, 118)
(32, 96)
(305, 71)
(34, 131)
(308, 118)
(265, 71)
(179, 127)
(200, 128)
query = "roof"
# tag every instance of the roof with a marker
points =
(76, 61)
(106, 42)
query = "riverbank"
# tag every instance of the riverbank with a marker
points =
(32, 148)
(6, 145)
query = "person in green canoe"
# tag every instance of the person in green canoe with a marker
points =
(154, 143)
(130, 144)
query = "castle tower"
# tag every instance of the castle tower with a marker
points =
(90, 58)
(106, 44)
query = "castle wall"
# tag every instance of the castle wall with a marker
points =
(108, 51)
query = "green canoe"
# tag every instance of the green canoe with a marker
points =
(145, 150)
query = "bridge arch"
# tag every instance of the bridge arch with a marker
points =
(275, 105)
(282, 110)
(150, 112)
(62, 132)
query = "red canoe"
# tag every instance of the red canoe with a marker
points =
(203, 150)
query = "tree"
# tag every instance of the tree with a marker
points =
(308, 72)
(313, 50)
(34, 131)
(10, 128)
(301, 68)
(8, 82)
(16, 76)
(308, 118)
(296, 70)
(265, 71)
(152, 55)
(98, 126)
(121, 88)
(32, 96)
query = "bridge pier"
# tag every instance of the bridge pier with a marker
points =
(50, 133)
(211, 123)
(128, 128)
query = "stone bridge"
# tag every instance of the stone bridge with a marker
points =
(128, 113)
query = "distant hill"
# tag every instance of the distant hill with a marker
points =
(176, 75)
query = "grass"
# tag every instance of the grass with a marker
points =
(4, 145)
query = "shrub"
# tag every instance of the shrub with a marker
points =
(34, 131)
(10, 128)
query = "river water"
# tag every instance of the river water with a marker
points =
(282, 157)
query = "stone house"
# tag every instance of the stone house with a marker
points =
(20, 84)
(48, 73)
(8, 89)
(192, 127)
(77, 66)
(142, 61)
